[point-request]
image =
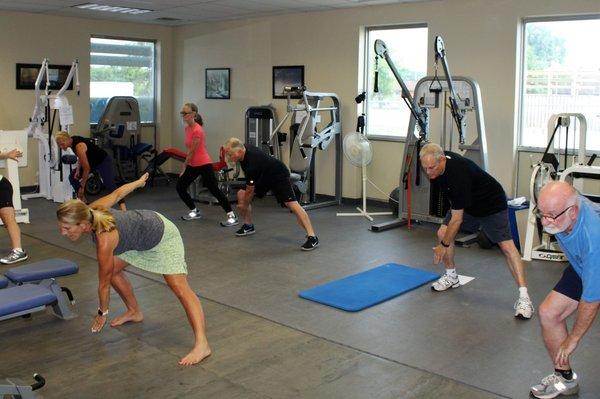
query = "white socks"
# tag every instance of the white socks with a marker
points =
(523, 292)
(231, 214)
(452, 273)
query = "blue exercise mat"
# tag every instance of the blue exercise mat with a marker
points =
(362, 290)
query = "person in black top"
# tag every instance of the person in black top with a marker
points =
(7, 214)
(91, 158)
(263, 173)
(477, 201)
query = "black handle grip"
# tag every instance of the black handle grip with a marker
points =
(376, 84)
(40, 382)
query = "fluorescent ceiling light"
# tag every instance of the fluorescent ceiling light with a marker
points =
(120, 10)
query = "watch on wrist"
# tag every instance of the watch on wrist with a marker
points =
(443, 244)
(101, 313)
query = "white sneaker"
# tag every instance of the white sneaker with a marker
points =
(445, 282)
(523, 308)
(230, 221)
(192, 215)
(555, 385)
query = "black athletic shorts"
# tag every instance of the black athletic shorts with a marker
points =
(570, 284)
(6, 193)
(282, 189)
(494, 226)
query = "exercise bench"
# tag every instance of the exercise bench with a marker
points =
(33, 287)
(16, 389)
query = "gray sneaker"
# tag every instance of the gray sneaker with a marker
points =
(233, 221)
(193, 215)
(14, 256)
(555, 385)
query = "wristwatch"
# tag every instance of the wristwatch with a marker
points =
(443, 244)
(101, 313)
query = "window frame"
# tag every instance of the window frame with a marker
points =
(366, 80)
(154, 42)
(521, 78)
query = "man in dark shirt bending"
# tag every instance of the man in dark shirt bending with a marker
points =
(263, 173)
(477, 200)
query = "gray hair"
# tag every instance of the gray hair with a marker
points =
(432, 149)
(234, 144)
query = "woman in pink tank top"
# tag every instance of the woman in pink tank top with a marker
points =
(198, 163)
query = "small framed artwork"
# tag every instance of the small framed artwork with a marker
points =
(218, 83)
(28, 73)
(287, 76)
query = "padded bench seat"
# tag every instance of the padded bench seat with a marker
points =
(3, 282)
(37, 271)
(21, 298)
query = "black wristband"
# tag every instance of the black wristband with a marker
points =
(443, 244)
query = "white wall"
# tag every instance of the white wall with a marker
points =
(29, 38)
(481, 38)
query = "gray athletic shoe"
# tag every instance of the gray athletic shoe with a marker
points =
(445, 282)
(555, 385)
(523, 308)
(193, 215)
(14, 256)
(233, 221)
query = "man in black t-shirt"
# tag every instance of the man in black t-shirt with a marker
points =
(477, 201)
(263, 173)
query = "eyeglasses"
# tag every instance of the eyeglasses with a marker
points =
(540, 215)
(183, 113)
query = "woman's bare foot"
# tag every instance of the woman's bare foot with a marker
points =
(196, 355)
(127, 317)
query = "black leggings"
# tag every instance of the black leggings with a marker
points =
(209, 181)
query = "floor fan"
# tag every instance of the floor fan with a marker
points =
(359, 152)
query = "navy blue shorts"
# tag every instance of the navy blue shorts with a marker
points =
(570, 284)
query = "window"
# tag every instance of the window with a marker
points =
(560, 73)
(122, 68)
(386, 113)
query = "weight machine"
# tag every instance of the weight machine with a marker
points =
(54, 169)
(551, 168)
(260, 132)
(313, 109)
(119, 131)
(418, 199)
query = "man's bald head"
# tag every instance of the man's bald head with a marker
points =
(557, 193)
(557, 201)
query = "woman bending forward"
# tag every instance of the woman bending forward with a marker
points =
(141, 238)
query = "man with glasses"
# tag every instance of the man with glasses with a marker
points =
(477, 201)
(575, 222)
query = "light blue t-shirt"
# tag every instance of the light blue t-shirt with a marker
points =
(582, 247)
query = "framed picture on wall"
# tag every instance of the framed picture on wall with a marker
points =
(287, 76)
(218, 83)
(28, 73)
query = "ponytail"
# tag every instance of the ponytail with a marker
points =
(76, 211)
(194, 109)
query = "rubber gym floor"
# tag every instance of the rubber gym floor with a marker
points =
(267, 342)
